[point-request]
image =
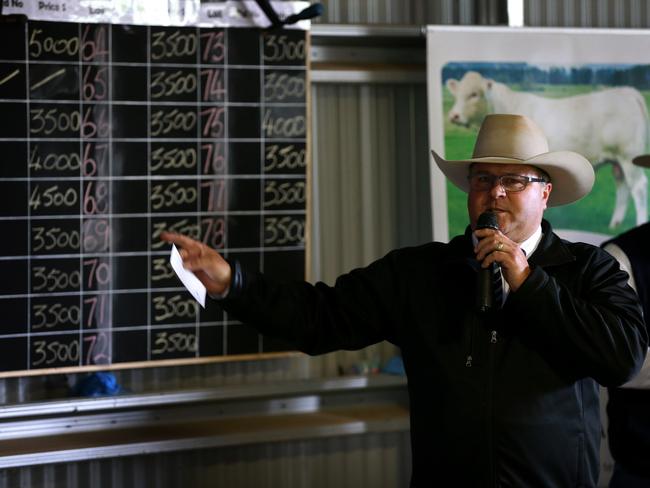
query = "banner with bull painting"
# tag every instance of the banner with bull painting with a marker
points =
(589, 89)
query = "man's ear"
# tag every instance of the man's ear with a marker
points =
(546, 193)
(452, 85)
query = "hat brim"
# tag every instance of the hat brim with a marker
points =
(572, 174)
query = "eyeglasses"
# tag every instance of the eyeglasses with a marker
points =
(510, 183)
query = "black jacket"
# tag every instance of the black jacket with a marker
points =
(628, 409)
(525, 413)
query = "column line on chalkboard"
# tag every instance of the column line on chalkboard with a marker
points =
(29, 192)
(260, 343)
(149, 297)
(226, 60)
(197, 71)
(197, 172)
(81, 186)
(111, 122)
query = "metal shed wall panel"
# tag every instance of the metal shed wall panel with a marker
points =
(373, 460)
(371, 160)
(414, 12)
(587, 13)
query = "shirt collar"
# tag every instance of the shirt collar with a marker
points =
(530, 244)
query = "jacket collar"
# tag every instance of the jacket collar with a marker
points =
(552, 250)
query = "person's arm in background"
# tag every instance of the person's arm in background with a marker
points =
(641, 380)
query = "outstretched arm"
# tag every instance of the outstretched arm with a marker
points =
(362, 308)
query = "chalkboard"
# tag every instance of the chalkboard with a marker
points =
(111, 134)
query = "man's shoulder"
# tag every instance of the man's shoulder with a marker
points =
(581, 248)
(635, 234)
(589, 253)
(432, 251)
(555, 250)
(425, 249)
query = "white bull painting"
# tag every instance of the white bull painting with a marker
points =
(609, 126)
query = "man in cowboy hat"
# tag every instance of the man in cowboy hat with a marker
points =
(628, 408)
(507, 397)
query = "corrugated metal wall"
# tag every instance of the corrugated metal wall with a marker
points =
(413, 12)
(587, 13)
(371, 157)
(372, 460)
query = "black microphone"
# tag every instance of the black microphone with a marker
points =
(484, 292)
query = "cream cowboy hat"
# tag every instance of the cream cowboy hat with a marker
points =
(516, 139)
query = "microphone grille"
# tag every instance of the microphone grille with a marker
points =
(487, 220)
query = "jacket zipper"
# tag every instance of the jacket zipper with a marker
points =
(490, 403)
(470, 350)
(468, 359)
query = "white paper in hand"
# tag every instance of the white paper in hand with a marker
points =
(189, 279)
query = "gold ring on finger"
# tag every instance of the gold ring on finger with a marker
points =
(499, 246)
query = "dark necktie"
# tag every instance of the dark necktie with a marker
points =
(497, 287)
